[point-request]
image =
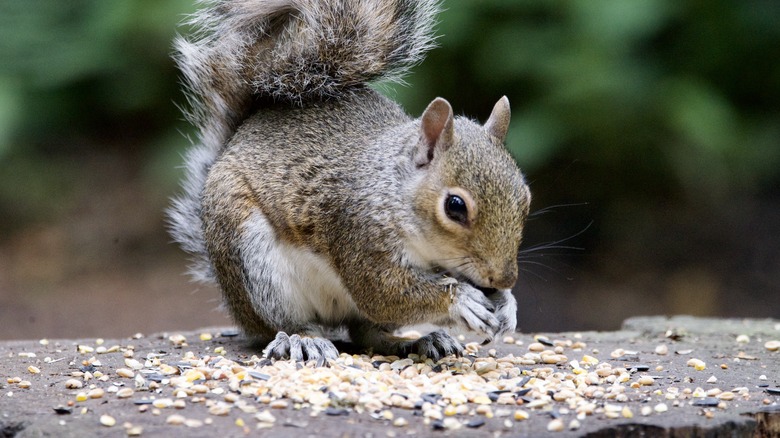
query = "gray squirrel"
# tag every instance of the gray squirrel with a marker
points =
(318, 205)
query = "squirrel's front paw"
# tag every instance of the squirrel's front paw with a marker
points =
(300, 348)
(472, 310)
(506, 310)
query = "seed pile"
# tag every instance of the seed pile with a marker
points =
(562, 379)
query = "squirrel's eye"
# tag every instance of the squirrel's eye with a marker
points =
(455, 208)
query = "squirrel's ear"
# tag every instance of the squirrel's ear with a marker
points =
(436, 131)
(498, 123)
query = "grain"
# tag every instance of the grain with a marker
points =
(133, 364)
(646, 380)
(162, 403)
(279, 404)
(549, 378)
(697, 364)
(521, 415)
(400, 422)
(73, 384)
(175, 419)
(556, 425)
(125, 393)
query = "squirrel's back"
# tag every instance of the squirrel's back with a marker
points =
(287, 52)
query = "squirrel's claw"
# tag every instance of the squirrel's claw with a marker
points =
(301, 348)
(473, 311)
(279, 348)
(505, 311)
(435, 345)
(449, 284)
(447, 281)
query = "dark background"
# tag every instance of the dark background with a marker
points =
(649, 131)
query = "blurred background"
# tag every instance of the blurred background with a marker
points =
(649, 131)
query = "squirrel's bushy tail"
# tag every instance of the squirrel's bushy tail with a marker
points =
(293, 51)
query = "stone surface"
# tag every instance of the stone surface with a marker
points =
(737, 366)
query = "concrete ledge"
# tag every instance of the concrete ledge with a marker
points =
(35, 377)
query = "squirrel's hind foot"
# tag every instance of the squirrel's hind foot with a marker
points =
(434, 345)
(301, 349)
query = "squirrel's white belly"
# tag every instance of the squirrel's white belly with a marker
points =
(314, 287)
(311, 291)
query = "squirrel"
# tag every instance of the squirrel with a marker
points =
(318, 206)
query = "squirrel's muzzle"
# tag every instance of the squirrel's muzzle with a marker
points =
(505, 278)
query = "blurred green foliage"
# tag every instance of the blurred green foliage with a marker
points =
(81, 78)
(84, 67)
(654, 98)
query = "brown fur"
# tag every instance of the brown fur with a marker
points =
(318, 204)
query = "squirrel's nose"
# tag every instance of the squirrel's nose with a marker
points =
(504, 282)
(505, 279)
